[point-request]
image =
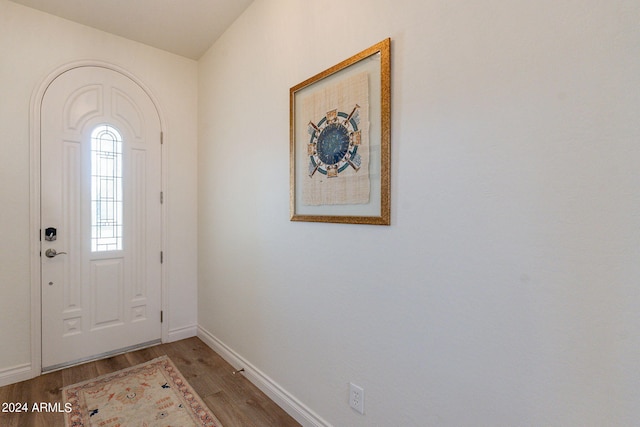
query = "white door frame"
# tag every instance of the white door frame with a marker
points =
(34, 216)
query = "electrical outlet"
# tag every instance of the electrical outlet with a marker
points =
(356, 397)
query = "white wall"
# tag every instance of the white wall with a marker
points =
(505, 292)
(32, 45)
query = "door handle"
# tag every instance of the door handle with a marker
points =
(52, 253)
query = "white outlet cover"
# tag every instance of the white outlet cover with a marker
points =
(356, 397)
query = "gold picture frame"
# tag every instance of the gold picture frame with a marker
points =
(340, 141)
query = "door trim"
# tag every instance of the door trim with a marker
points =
(34, 203)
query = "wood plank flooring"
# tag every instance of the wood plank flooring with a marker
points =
(232, 398)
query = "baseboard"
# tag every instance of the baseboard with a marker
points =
(280, 396)
(182, 333)
(16, 374)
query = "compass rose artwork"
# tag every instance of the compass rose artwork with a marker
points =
(339, 141)
(334, 142)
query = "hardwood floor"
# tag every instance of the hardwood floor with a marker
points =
(232, 398)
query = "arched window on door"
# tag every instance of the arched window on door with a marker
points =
(106, 189)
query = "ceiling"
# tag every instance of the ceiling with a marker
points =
(184, 27)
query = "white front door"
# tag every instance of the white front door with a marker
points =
(100, 216)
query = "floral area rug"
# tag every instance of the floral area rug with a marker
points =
(150, 394)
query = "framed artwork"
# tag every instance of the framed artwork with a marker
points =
(340, 141)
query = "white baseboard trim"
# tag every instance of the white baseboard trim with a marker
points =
(280, 396)
(182, 333)
(16, 374)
